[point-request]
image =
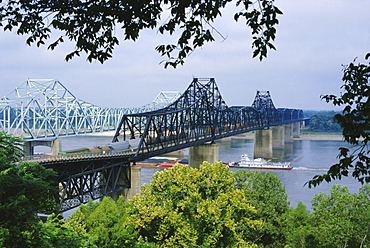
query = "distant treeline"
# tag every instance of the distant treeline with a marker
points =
(322, 121)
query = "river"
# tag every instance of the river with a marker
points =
(308, 158)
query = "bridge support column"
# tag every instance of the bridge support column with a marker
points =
(278, 139)
(296, 129)
(135, 182)
(56, 146)
(200, 153)
(29, 146)
(288, 133)
(263, 143)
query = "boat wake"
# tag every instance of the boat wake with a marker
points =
(309, 169)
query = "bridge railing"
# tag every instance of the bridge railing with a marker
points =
(78, 156)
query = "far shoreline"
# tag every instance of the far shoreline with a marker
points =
(250, 135)
(320, 137)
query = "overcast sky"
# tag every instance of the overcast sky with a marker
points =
(314, 38)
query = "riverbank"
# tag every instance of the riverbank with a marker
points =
(250, 135)
(320, 137)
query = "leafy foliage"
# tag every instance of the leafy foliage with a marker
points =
(91, 25)
(267, 194)
(26, 189)
(339, 219)
(324, 122)
(355, 121)
(300, 232)
(10, 149)
(342, 219)
(103, 224)
(51, 234)
(187, 207)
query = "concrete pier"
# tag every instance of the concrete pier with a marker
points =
(135, 183)
(129, 193)
(296, 129)
(263, 143)
(29, 146)
(278, 137)
(288, 133)
(200, 153)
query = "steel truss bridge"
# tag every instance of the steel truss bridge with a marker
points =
(198, 116)
(44, 108)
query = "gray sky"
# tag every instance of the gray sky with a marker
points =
(314, 38)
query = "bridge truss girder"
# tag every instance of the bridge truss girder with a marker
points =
(80, 181)
(199, 115)
(45, 108)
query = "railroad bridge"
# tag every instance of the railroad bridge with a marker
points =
(197, 118)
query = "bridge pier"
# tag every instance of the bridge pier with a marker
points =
(263, 143)
(278, 139)
(200, 153)
(296, 129)
(135, 182)
(29, 146)
(288, 129)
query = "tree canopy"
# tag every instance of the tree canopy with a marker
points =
(341, 219)
(92, 25)
(187, 207)
(26, 190)
(355, 122)
(103, 224)
(266, 193)
(324, 121)
(212, 207)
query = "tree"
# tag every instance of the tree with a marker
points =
(300, 232)
(342, 219)
(324, 122)
(26, 189)
(91, 25)
(267, 194)
(10, 149)
(51, 234)
(355, 121)
(103, 224)
(187, 207)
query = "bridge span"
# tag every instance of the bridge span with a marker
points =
(45, 108)
(198, 116)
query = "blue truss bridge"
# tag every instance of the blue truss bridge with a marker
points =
(197, 116)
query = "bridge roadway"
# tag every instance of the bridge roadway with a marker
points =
(198, 116)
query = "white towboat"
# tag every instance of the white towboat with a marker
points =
(259, 163)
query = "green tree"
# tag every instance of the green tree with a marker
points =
(355, 121)
(10, 149)
(324, 122)
(52, 234)
(26, 189)
(92, 25)
(300, 232)
(342, 219)
(187, 207)
(267, 194)
(103, 224)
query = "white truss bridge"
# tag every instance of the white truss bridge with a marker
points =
(44, 108)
